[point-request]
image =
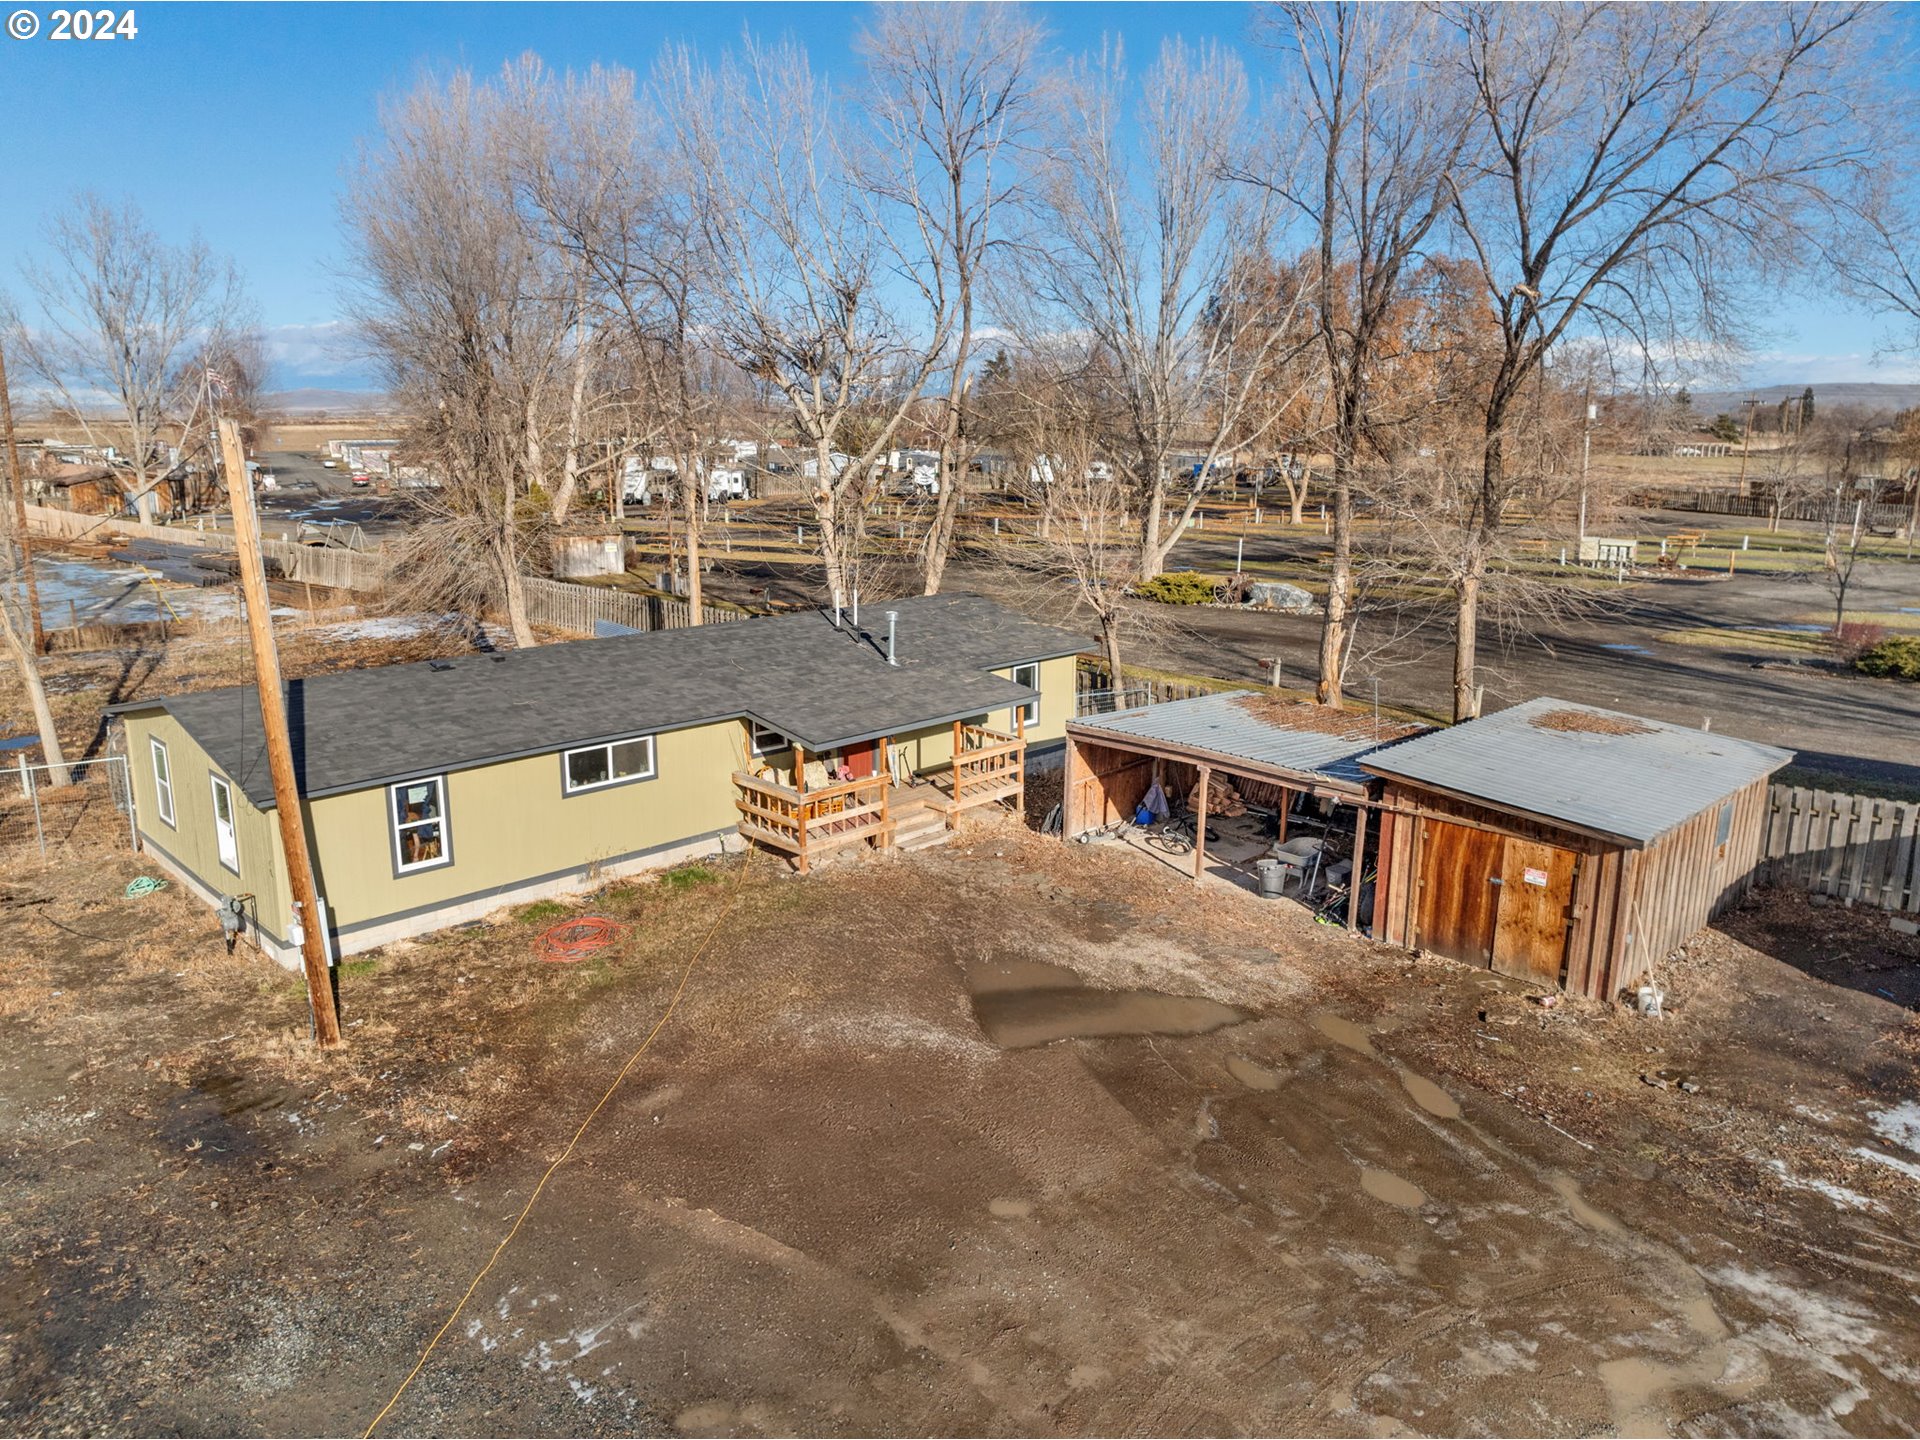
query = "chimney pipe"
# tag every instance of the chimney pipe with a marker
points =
(893, 619)
(836, 608)
(856, 607)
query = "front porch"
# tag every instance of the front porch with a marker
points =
(804, 820)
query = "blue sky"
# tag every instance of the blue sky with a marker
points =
(238, 119)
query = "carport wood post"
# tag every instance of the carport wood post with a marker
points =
(1200, 827)
(273, 717)
(1359, 866)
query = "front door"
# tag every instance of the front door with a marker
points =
(1457, 897)
(1530, 932)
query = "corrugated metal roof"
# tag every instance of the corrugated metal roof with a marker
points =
(1636, 785)
(1226, 725)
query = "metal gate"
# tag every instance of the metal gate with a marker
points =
(105, 777)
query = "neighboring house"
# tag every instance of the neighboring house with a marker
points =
(438, 791)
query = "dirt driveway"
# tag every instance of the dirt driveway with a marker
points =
(1363, 1194)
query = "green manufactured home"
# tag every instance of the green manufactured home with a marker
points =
(436, 792)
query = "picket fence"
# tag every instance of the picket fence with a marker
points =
(561, 605)
(1852, 847)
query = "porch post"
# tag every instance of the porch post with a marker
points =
(886, 792)
(953, 815)
(1200, 827)
(1020, 759)
(1359, 864)
(800, 810)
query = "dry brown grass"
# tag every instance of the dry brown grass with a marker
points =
(1588, 722)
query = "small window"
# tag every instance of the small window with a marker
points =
(162, 780)
(598, 766)
(1029, 676)
(223, 832)
(1725, 831)
(419, 817)
(768, 742)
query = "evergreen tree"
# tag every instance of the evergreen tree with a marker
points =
(1806, 407)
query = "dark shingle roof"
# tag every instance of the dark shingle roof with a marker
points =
(1617, 774)
(797, 673)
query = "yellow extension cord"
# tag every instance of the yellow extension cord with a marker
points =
(632, 1060)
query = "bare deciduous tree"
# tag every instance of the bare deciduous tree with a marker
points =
(121, 313)
(950, 96)
(1132, 255)
(801, 296)
(1638, 166)
(1379, 128)
(17, 631)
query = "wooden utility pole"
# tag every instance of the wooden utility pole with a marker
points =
(273, 717)
(19, 484)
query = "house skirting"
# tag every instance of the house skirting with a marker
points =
(364, 935)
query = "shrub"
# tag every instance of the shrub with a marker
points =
(1853, 638)
(1895, 658)
(1179, 587)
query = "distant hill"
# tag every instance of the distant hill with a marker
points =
(1868, 395)
(334, 402)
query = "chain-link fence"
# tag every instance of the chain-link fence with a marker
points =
(59, 810)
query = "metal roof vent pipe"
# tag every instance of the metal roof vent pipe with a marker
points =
(856, 607)
(836, 608)
(893, 620)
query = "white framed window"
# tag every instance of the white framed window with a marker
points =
(223, 832)
(162, 779)
(1029, 676)
(595, 767)
(766, 741)
(417, 816)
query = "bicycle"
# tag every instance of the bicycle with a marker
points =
(1175, 835)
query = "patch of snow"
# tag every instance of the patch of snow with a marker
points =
(1905, 1167)
(1900, 1125)
(1839, 1194)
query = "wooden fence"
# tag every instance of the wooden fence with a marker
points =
(303, 564)
(1879, 515)
(561, 605)
(1852, 847)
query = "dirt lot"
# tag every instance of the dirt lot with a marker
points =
(1366, 1195)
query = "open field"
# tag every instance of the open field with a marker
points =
(1371, 1195)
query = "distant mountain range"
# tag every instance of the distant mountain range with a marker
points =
(334, 402)
(1866, 395)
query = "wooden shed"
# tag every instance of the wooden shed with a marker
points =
(1564, 844)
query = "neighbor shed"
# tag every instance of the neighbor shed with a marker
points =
(1564, 844)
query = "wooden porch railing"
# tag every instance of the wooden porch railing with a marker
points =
(988, 766)
(802, 823)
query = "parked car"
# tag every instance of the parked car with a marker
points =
(361, 482)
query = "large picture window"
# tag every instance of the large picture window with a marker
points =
(223, 832)
(1029, 676)
(418, 811)
(162, 781)
(597, 766)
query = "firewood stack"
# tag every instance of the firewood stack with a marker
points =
(1222, 798)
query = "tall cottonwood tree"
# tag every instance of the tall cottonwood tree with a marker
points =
(950, 98)
(803, 299)
(1637, 167)
(1135, 236)
(1378, 128)
(467, 316)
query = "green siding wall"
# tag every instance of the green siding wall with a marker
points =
(510, 823)
(190, 839)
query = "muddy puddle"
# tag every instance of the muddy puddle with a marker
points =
(1023, 1003)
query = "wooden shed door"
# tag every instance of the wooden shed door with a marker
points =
(1458, 898)
(1530, 931)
